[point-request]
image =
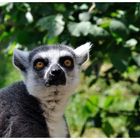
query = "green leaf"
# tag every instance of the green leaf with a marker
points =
(47, 40)
(60, 7)
(3, 4)
(77, 29)
(102, 7)
(131, 42)
(11, 47)
(134, 28)
(120, 58)
(53, 24)
(29, 17)
(109, 101)
(85, 16)
(104, 22)
(118, 29)
(137, 11)
(98, 32)
(94, 100)
(83, 7)
(107, 128)
(137, 59)
(119, 14)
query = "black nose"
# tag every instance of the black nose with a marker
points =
(56, 71)
(56, 76)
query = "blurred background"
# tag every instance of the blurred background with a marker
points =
(107, 101)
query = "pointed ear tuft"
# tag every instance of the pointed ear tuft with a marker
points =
(20, 59)
(82, 52)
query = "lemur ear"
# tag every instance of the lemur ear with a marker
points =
(82, 52)
(20, 59)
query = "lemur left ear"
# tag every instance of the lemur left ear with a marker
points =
(82, 52)
(20, 59)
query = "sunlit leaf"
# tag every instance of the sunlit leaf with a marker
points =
(29, 17)
(53, 24)
(77, 29)
(134, 28)
(98, 32)
(85, 16)
(131, 43)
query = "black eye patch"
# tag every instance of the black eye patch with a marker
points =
(40, 63)
(67, 62)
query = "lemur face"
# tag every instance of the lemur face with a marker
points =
(51, 67)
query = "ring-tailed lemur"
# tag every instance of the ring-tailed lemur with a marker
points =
(35, 107)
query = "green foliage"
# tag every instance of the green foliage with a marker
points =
(108, 98)
(53, 24)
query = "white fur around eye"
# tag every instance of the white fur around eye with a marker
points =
(53, 55)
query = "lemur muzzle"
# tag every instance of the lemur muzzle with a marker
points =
(56, 76)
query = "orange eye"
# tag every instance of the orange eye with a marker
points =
(68, 63)
(39, 65)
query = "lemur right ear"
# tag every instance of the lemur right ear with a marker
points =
(20, 59)
(82, 52)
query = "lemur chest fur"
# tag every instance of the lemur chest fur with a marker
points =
(53, 106)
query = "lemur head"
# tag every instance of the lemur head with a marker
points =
(51, 68)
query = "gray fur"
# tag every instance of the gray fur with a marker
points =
(20, 59)
(20, 113)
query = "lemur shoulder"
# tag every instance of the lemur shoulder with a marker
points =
(35, 106)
